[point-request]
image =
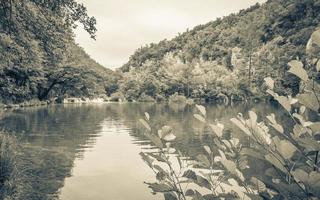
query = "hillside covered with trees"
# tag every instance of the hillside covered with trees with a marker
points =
(229, 56)
(39, 58)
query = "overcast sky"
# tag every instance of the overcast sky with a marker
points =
(125, 25)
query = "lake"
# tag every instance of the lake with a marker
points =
(80, 152)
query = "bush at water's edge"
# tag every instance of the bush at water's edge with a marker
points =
(9, 175)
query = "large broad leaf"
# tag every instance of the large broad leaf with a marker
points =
(273, 173)
(318, 66)
(161, 176)
(309, 100)
(274, 123)
(315, 127)
(284, 102)
(286, 149)
(299, 130)
(276, 162)
(300, 175)
(147, 116)
(208, 150)
(166, 134)
(169, 137)
(241, 191)
(314, 183)
(252, 152)
(145, 124)
(253, 117)
(240, 125)
(170, 196)
(259, 185)
(190, 175)
(219, 144)
(302, 120)
(155, 140)
(296, 68)
(270, 82)
(217, 129)
(146, 159)
(202, 109)
(157, 167)
(157, 157)
(227, 144)
(313, 86)
(202, 182)
(243, 163)
(313, 45)
(160, 187)
(232, 168)
(309, 144)
(200, 118)
(189, 193)
(204, 160)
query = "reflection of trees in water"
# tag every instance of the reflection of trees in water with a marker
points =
(51, 140)
(191, 145)
(189, 131)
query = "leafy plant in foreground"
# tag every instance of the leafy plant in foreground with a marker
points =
(207, 177)
(293, 152)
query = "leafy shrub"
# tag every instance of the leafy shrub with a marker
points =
(146, 98)
(118, 96)
(8, 170)
(33, 102)
(176, 98)
(160, 98)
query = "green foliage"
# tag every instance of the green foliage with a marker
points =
(176, 98)
(117, 96)
(146, 98)
(232, 55)
(9, 174)
(179, 178)
(37, 43)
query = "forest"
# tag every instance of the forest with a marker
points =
(266, 52)
(39, 58)
(228, 57)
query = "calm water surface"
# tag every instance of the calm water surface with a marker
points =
(81, 152)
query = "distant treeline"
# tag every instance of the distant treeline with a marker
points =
(229, 56)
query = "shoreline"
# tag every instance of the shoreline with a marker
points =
(83, 101)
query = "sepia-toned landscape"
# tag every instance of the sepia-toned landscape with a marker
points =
(159, 100)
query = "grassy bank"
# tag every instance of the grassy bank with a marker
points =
(9, 175)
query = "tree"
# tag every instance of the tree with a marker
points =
(36, 38)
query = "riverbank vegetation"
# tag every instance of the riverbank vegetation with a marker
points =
(9, 175)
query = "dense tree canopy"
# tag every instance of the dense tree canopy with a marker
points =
(232, 55)
(37, 43)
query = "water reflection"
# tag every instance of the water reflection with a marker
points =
(92, 151)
